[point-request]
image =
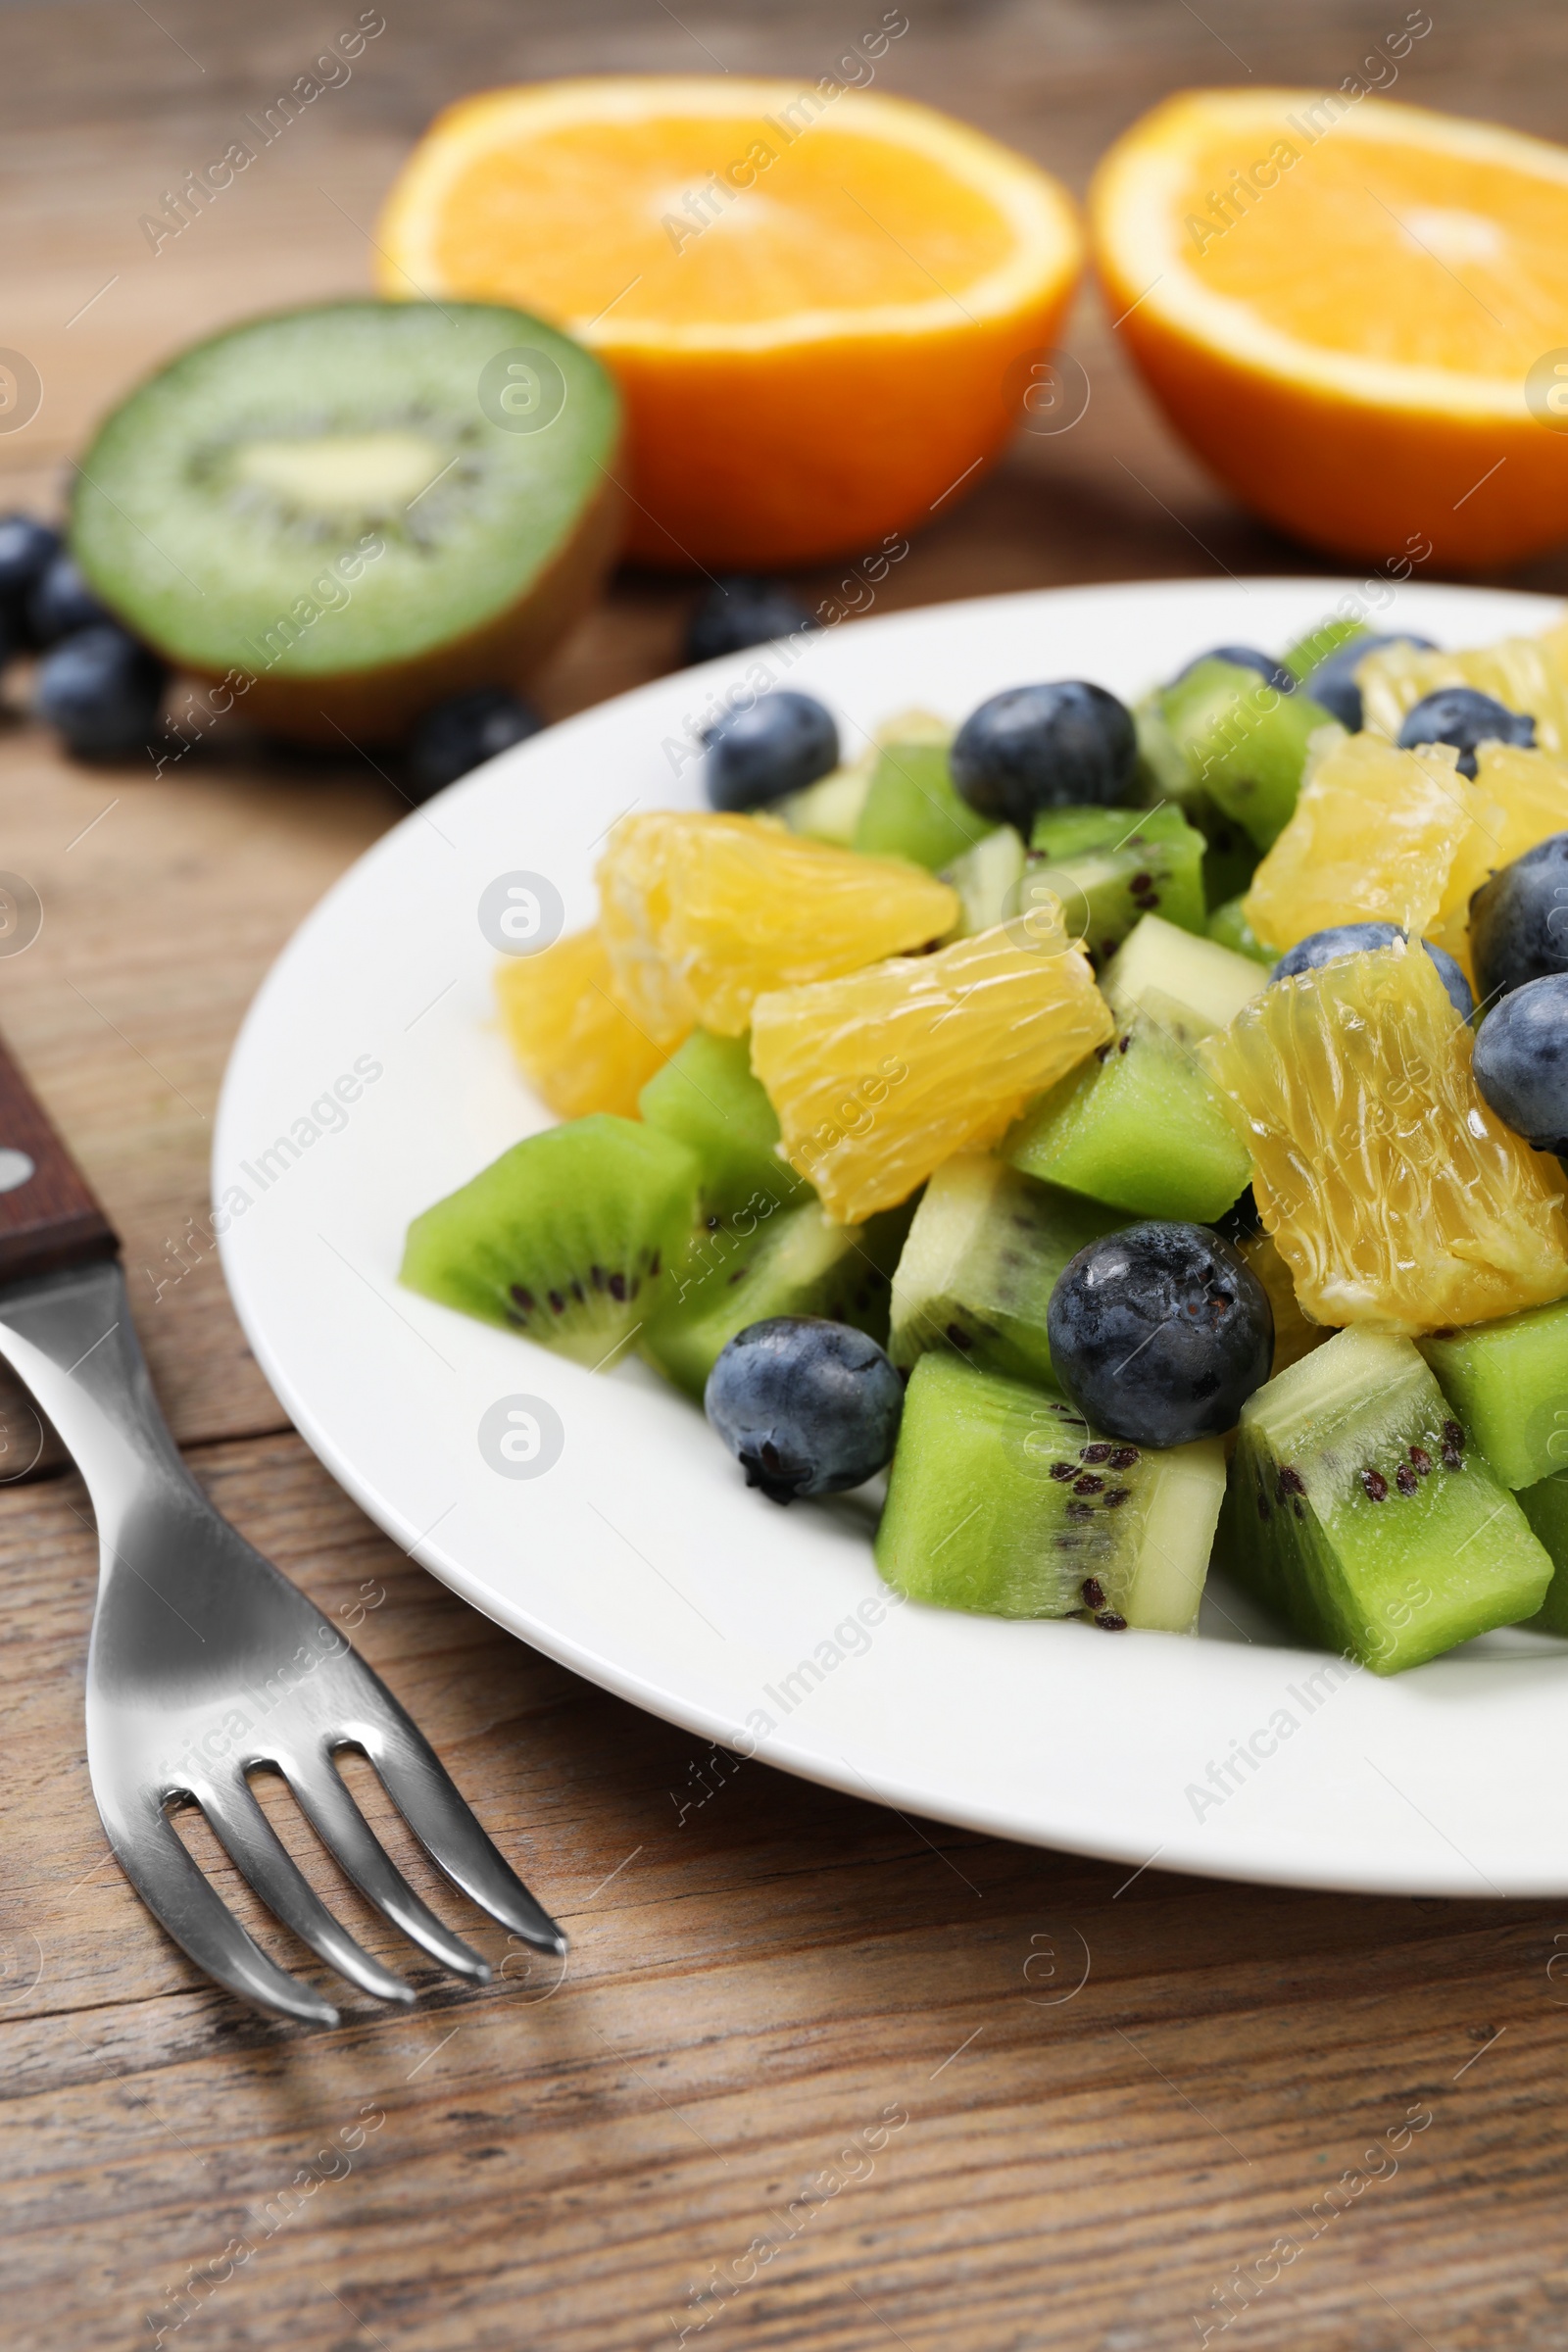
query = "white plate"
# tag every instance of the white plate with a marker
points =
(639, 1558)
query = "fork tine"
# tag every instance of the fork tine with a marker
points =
(260, 1857)
(348, 1836)
(191, 1909)
(425, 1794)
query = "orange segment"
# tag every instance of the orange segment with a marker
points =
(1526, 673)
(1521, 798)
(577, 1047)
(1338, 301)
(812, 296)
(1394, 1194)
(702, 913)
(881, 1077)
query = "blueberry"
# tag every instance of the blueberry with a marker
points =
(779, 744)
(60, 602)
(1464, 717)
(1356, 939)
(1521, 1061)
(1519, 921)
(1044, 747)
(1241, 657)
(103, 690)
(742, 611)
(804, 1405)
(463, 732)
(1333, 682)
(27, 547)
(1160, 1333)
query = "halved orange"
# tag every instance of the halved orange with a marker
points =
(1355, 313)
(817, 300)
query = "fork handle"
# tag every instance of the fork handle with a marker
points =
(48, 1216)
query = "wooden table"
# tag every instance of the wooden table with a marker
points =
(778, 1988)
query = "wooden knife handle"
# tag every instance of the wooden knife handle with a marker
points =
(48, 1216)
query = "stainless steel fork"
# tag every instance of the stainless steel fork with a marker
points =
(205, 1661)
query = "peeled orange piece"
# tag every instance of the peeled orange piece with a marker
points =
(1526, 673)
(701, 915)
(1394, 1194)
(1371, 840)
(1521, 798)
(577, 1045)
(1352, 310)
(811, 295)
(878, 1078)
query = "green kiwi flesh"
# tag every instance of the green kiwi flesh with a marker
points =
(708, 1099)
(323, 503)
(1002, 1500)
(1110, 866)
(1242, 742)
(912, 810)
(1506, 1382)
(1545, 1506)
(565, 1239)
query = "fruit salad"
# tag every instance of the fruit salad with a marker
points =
(1136, 1132)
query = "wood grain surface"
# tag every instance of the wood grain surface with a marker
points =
(815, 2074)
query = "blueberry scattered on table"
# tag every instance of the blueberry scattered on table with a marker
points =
(1521, 1061)
(1243, 656)
(27, 549)
(777, 745)
(103, 690)
(1031, 748)
(1465, 717)
(743, 610)
(1333, 682)
(463, 732)
(1356, 939)
(804, 1405)
(60, 602)
(1160, 1333)
(1519, 921)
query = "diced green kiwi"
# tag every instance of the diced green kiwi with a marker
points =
(566, 1238)
(1545, 1506)
(1243, 741)
(830, 808)
(1002, 1500)
(789, 1261)
(1110, 866)
(1229, 927)
(912, 810)
(346, 507)
(1210, 983)
(1138, 1125)
(1362, 1511)
(1230, 855)
(987, 878)
(1507, 1381)
(708, 1099)
(981, 1261)
(1324, 638)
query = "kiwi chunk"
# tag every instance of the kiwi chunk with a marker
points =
(784, 1261)
(333, 505)
(1209, 982)
(987, 878)
(980, 1264)
(912, 810)
(1359, 1509)
(1111, 866)
(566, 1238)
(1243, 742)
(1230, 853)
(1507, 1381)
(708, 1099)
(1545, 1506)
(1138, 1125)
(1002, 1500)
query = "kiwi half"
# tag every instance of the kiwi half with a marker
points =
(339, 507)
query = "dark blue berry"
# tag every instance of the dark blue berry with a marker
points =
(1521, 1061)
(60, 602)
(103, 690)
(1519, 921)
(1333, 682)
(1356, 938)
(1044, 747)
(804, 1405)
(742, 611)
(778, 744)
(1243, 656)
(1160, 1333)
(1464, 717)
(26, 547)
(463, 732)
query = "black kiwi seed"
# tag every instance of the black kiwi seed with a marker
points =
(1063, 1469)
(1141, 882)
(1113, 1621)
(1125, 1042)
(1093, 1593)
(1263, 1510)
(523, 1299)
(1376, 1484)
(1405, 1479)
(1094, 1453)
(1101, 1052)
(1122, 1457)
(1453, 1435)
(558, 1305)
(1290, 1482)
(1080, 1511)
(1117, 1497)
(1088, 1484)
(1421, 1459)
